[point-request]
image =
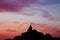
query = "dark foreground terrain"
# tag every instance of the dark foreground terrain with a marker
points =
(33, 35)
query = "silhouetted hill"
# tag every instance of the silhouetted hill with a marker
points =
(33, 35)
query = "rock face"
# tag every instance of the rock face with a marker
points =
(33, 35)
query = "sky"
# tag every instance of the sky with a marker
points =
(17, 15)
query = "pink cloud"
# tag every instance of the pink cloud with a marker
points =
(3, 36)
(9, 30)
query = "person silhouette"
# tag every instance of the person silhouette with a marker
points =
(30, 28)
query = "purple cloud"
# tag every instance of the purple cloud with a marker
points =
(16, 5)
(28, 14)
(48, 2)
(49, 16)
(46, 14)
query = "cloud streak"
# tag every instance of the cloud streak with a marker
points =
(12, 5)
(9, 30)
(48, 2)
(17, 5)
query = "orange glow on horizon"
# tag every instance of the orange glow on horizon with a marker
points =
(16, 28)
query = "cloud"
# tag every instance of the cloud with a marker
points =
(48, 2)
(9, 30)
(17, 5)
(12, 5)
(3, 36)
(46, 14)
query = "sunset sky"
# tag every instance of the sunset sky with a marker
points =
(17, 15)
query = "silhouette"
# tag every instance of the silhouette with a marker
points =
(30, 28)
(48, 37)
(33, 35)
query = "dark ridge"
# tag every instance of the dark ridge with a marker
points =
(33, 35)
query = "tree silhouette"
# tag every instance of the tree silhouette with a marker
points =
(33, 35)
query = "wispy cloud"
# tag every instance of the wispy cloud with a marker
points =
(17, 5)
(9, 30)
(48, 2)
